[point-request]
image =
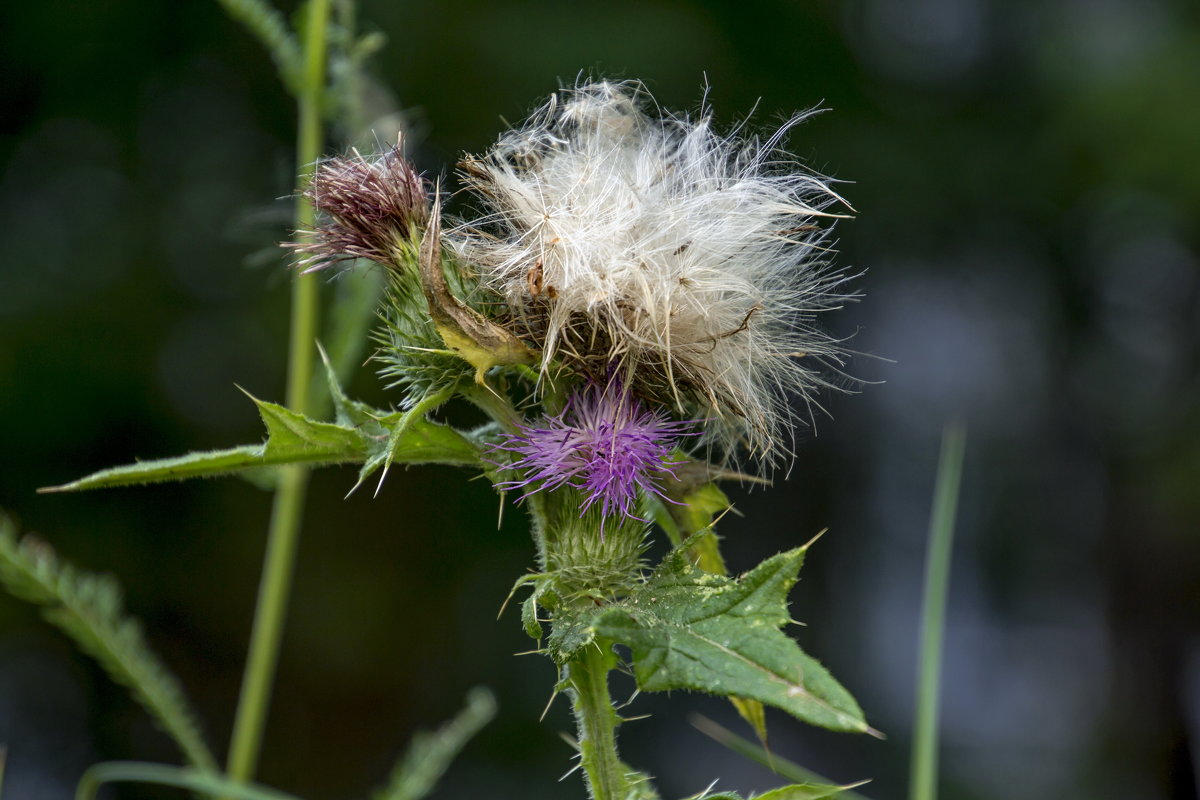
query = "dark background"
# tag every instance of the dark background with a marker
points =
(1027, 180)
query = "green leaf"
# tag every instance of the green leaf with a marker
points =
(697, 508)
(430, 754)
(574, 629)
(89, 609)
(362, 435)
(541, 595)
(529, 617)
(208, 464)
(294, 438)
(689, 629)
(407, 434)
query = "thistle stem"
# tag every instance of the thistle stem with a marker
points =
(587, 676)
(288, 508)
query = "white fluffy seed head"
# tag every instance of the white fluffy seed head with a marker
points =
(689, 261)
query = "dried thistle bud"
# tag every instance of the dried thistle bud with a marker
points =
(370, 207)
(476, 339)
(690, 262)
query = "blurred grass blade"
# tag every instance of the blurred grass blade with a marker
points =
(207, 784)
(430, 754)
(755, 752)
(268, 25)
(806, 791)
(923, 777)
(89, 609)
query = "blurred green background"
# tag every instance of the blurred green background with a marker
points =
(1027, 180)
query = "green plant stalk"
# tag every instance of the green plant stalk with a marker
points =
(288, 508)
(923, 778)
(587, 676)
(205, 784)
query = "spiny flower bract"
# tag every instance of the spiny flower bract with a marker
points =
(605, 444)
(689, 260)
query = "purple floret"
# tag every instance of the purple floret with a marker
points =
(605, 444)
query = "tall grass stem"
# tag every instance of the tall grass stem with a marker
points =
(923, 778)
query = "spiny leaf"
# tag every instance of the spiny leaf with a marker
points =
(295, 436)
(542, 594)
(431, 753)
(208, 464)
(398, 439)
(696, 508)
(359, 437)
(89, 609)
(689, 629)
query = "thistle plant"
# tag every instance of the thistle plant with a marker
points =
(634, 307)
(633, 301)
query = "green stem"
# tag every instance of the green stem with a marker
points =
(587, 675)
(288, 508)
(205, 784)
(923, 785)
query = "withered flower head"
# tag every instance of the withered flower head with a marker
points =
(370, 206)
(691, 262)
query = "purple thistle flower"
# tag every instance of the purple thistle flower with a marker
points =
(604, 444)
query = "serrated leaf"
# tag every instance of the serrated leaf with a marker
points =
(89, 609)
(693, 515)
(689, 629)
(296, 439)
(292, 436)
